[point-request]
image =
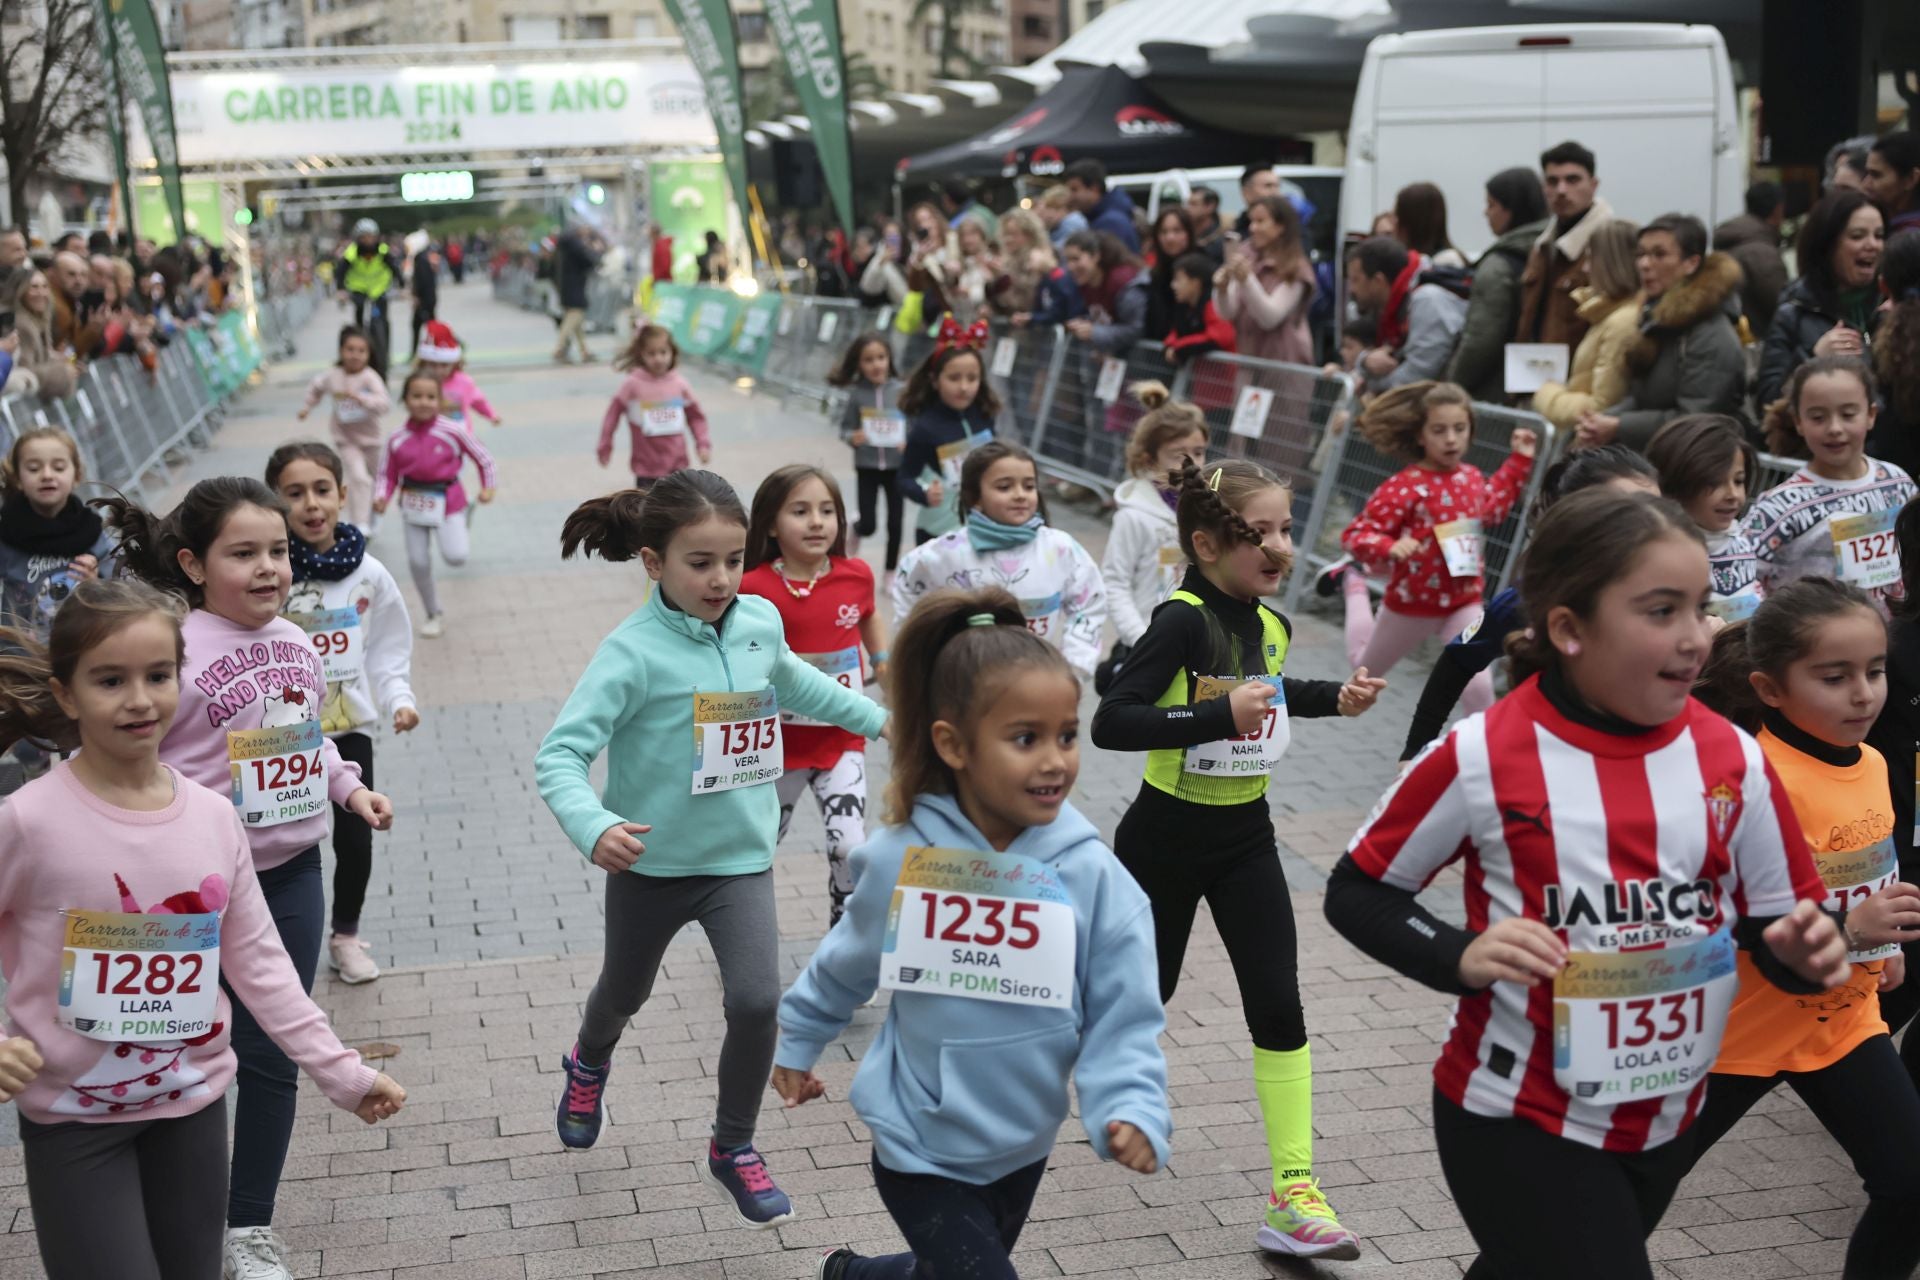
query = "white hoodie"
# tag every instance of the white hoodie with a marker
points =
(383, 685)
(1054, 579)
(1143, 562)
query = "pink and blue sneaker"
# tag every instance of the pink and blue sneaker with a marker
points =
(742, 1174)
(583, 1107)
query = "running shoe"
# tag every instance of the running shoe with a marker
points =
(254, 1253)
(348, 957)
(833, 1264)
(743, 1176)
(1300, 1223)
(583, 1107)
(433, 628)
(1327, 581)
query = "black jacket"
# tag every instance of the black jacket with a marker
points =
(574, 263)
(1803, 316)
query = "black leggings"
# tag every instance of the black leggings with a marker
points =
(352, 841)
(873, 484)
(1236, 869)
(1900, 1004)
(955, 1229)
(1868, 1103)
(1542, 1205)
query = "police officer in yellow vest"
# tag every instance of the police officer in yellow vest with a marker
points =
(366, 272)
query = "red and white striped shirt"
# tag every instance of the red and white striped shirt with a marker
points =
(1617, 843)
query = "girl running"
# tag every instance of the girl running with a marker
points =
(965, 1088)
(249, 728)
(695, 662)
(423, 462)
(874, 425)
(1808, 672)
(354, 617)
(125, 1133)
(1707, 466)
(1618, 839)
(50, 541)
(359, 399)
(1428, 522)
(658, 406)
(797, 559)
(1203, 695)
(1008, 543)
(1834, 516)
(950, 411)
(1896, 736)
(441, 355)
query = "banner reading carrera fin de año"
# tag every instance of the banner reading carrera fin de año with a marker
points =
(808, 35)
(707, 27)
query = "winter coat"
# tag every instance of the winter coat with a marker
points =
(1688, 358)
(1598, 376)
(1118, 308)
(1143, 562)
(575, 262)
(1479, 363)
(1802, 318)
(1114, 214)
(882, 283)
(1269, 311)
(1756, 247)
(1548, 312)
(40, 356)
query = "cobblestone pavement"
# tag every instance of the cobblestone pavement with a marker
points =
(489, 925)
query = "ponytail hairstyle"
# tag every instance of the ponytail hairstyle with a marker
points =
(772, 495)
(1780, 633)
(1393, 420)
(10, 465)
(1896, 348)
(1166, 420)
(973, 473)
(304, 451)
(922, 391)
(97, 609)
(1587, 542)
(1783, 415)
(1694, 453)
(954, 655)
(1589, 468)
(150, 545)
(846, 372)
(621, 525)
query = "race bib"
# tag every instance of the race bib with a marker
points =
(1249, 755)
(981, 925)
(1460, 544)
(658, 417)
(139, 977)
(1630, 1025)
(843, 666)
(347, 409)
(1865, 550)
(1853, 877)
(335, 635)
(279, 775)
(1737, 607)
(736, 740)
(884, 428)
(1041, 614)
(952, 457)
(423, 508)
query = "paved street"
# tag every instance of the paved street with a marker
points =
(489, 924)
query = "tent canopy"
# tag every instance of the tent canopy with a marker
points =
(1100, 113)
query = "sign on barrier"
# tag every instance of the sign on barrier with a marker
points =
(712, 322)
(752, 343)
(1250, 414)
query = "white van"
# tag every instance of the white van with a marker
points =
(1653, 102)
(1309, 186)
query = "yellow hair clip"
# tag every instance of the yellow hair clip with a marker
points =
(1214, 484)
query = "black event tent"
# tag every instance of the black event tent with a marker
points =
(1100, 113)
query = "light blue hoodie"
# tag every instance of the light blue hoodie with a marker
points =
(975, 1089)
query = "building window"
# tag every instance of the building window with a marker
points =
(1095, 8)
(592, 26)
(753, 27)
(1035, 28)
(534, 30)
(646, 25)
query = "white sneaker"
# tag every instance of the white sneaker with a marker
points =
(254, 1253)
(348, 957)
(432, 628)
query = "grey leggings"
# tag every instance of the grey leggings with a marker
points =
(135, 1200)
(643, 915)
(453, 549)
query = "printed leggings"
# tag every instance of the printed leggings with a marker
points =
(454, 548)
(1378, 643)
(842, 794)
(955, 1229)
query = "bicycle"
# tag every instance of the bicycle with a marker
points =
(370, 314)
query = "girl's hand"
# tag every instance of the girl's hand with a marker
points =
(1403, 548)
(798, 1086)
(495, 421)
(879, 674)
(405, 720)
(935, 493)
(379, 506)
(1895, 971)
(1807, 942)
(1512, 950)
(19, 1064)
(1891, 915)
(604, 455)
(383, 1100)
(372, 808)
(302, 415)
(616, 849)
(86, 565)
(1838, 341)
(1250, 702)
(1524, 441)
(486, 495)
(858, 438)
(1360, 692)
(1130, 1147)
(705, 455)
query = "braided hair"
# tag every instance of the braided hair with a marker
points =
(1211, 499)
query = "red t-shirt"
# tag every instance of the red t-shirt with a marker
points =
(824, 629)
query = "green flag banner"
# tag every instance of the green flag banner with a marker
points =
(707, 28)
(711, 326)
(133, 41)
(750, 345)
(807, 33)
(116, 112)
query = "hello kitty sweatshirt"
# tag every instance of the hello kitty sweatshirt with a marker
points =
(63, 850)
(236, 679)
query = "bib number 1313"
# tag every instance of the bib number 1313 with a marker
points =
(748, 735)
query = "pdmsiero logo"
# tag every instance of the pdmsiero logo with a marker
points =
(1145, 122)
(1046, 161)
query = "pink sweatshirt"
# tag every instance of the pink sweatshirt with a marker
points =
(653, 456)
(236, 678)
(430, 453)
(365, 391)
(466, 397)
(62, 850)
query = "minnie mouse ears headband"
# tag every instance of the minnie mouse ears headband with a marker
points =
(971, 338)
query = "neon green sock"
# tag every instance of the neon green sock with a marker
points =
(1284, 1084)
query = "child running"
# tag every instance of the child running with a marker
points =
(359, 400)
(696, 662)
(797, 559)
(1619, 839)
(423, 462)
(1203, 695)
(951, 411)
(125, 1135)
(1707, 466)
(1834, 516)
(355, 619)
(249, 728)
(1429, 522)
(658, 406)
(1143, 561)
(1896, 736)
(1808, 671)
(1008, 543)
(441, 355)
(874, 425)
(965, 1088)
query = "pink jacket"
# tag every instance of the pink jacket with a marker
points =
(466, 397)
(1269, 312)
(430, 453)
(364, 392)
(653, 455)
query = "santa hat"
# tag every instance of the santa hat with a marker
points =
(439, 345)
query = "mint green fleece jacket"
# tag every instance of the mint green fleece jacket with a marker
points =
(635, 702)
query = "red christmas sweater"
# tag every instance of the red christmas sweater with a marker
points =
(823, 628)
(1412, 504)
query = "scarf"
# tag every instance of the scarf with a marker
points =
(1393, 317)
(339, 561)
(72, 532)
(987, 534)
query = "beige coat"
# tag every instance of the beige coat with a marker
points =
(1598, 376)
